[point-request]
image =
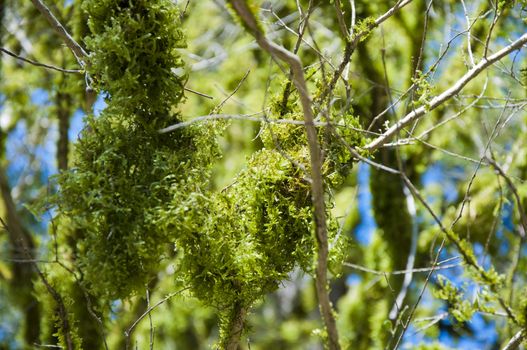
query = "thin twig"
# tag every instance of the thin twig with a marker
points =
(185, 9)
(340, 18)
(220, 106)
(38, 64)
(469, 46)
(198, 93)
(130, 329)
(497, 15)
(353, 16)
(150, 319)
(252, 118)
(401, 272)
(408, 276)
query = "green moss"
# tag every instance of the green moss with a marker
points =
(124, 170)
(134, 56)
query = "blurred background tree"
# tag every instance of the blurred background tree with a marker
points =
(116, 235)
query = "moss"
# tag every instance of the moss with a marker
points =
(134, 47)
(124, 170)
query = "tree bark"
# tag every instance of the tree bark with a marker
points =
(236, 327)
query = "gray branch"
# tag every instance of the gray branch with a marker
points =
(446, 95)
(317, 182)
(77, 50)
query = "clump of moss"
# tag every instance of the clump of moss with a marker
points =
(134, 56)
(122, 175)
(238, 244)
(124, 170)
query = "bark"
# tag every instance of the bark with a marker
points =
(236, 327)
(63, 103)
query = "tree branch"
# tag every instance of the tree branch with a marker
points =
(77, 50)
(355, 40)
(317, 183)
(38, 64)
(447, 94)
(516, 341)
(236, 327)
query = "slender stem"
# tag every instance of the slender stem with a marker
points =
(39, 64)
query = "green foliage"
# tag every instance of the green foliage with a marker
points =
(139, 208)
(364, 27)
(132, 192)
(523, 308)
(423, 90)
(122, 175)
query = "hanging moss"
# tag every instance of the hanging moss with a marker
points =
(122, 174)
(124, 170)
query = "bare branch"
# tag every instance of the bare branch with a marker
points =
(516, 341)
(353, 16)
(408, 276)
(77, 50)
(198, 93)
(38, 64)
(469, 46)
(447, 94)
(252, 118)
(220, 106)
(402, 272)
